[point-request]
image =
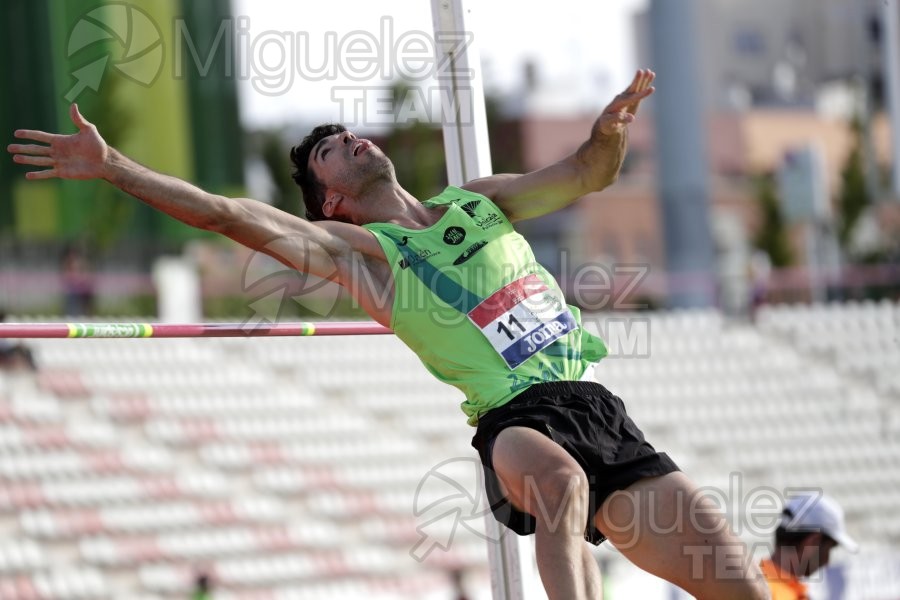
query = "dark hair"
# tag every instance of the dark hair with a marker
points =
(785, 537)
(313, 189)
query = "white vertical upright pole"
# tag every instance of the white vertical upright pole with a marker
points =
(468, 156)
(178, 290)
(891, 28)
(459, 79)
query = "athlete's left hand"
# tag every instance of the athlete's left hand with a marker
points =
(622, 110)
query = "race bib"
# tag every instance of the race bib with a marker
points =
(522, 318)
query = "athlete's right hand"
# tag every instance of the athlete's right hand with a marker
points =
(79, 156)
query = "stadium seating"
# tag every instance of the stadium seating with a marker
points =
(317, 468)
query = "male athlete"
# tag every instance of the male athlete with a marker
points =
(458, 285)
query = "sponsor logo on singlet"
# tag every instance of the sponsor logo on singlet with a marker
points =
(454, 235)
(485, 221)
(488, 221)
(470, 252)
(419, 256)
(469, 207)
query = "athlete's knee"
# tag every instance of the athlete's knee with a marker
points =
(559, 492)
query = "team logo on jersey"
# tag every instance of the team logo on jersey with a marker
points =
(470, 252)
(470, 207)
(454, 235)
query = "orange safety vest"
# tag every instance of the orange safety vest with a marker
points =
(784, 586)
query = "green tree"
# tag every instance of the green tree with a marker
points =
(853, 197)
(272, 152)
(110, 211)
(772, 236)
(417, 150)
(505, 136)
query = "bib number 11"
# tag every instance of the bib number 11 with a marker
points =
(522, 318)
(513, 321)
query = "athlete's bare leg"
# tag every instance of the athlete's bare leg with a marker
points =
(666, 527)
(542, 479)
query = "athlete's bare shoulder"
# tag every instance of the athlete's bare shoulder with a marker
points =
(359, 238)
(366, 274)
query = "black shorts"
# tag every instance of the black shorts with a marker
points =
(590, 423)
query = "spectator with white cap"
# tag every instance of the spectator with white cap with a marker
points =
(812, 524)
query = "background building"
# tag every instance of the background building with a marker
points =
(776, 78)
(781, 53)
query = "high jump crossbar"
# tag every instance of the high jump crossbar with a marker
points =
(187, 330)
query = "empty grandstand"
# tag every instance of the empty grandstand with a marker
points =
(305, 468)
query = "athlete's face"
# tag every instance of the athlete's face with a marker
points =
(347, 164)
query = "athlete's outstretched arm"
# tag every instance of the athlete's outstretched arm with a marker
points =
(319, 250)
(594, 166)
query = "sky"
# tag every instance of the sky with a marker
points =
(582, 50)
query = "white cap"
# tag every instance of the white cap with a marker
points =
(817, 513)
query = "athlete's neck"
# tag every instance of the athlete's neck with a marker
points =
(390, 203)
